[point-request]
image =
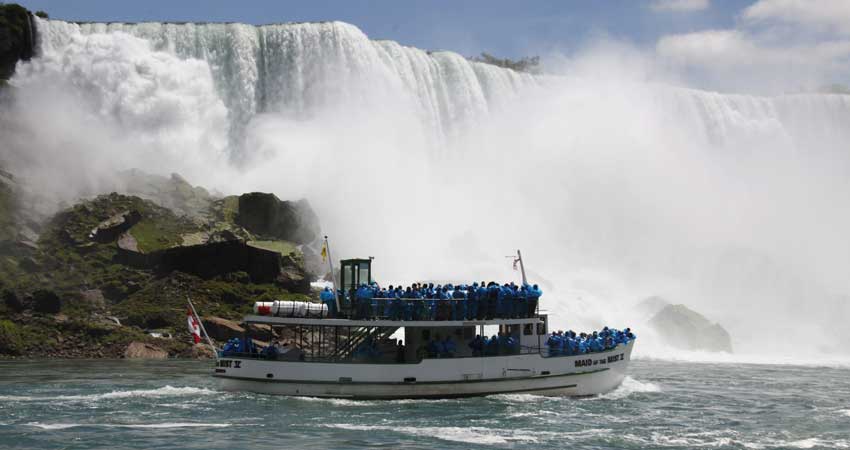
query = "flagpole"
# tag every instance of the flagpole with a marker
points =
(333, 276)
(201, 323)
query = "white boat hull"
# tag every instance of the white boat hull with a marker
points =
(579, 375)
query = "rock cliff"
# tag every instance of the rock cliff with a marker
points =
(115, 270)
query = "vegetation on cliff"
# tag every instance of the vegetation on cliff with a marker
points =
(117, 269)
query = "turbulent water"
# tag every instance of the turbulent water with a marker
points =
(616, 185)
(117, 404)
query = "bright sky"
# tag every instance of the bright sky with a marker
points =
(750, 41)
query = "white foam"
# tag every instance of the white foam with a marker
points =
(630, 386)
(336, 401)
(165, 391)
(63, 426)
(518, 398)
(817, 442)
(467, 435)
(846, 412)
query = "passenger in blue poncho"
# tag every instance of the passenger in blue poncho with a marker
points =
(327, 297)
(477, 345)
(534, 294)
(449, 347)
(472, 302)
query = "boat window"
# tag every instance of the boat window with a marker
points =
(468, 333)
(426, 335)
(527, 330)
(541, 328)
(364, 274)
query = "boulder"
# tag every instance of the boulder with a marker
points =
(111, 228)
(222, 329)
(46, 301)
(266, 215)
(200, 351)
(141, 350)
(687, 329)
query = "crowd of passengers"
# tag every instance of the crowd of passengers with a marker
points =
(570, 343)
(422, 301)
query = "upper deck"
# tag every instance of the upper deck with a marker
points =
(336, 322)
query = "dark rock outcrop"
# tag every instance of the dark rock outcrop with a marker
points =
(216, 258)
(17, 38)
(687, 329)
(45, 301)
(267, 215)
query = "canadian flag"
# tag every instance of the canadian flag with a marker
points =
(194, 328)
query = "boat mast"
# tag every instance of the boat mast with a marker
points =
(521, 266)
(333, 276)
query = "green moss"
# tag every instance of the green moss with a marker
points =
(153, 235)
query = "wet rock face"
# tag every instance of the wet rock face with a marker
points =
(267, 215)
(686, 329)
(17, 38)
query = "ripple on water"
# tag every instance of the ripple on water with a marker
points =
(468, 435)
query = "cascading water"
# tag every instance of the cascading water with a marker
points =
(615, 188)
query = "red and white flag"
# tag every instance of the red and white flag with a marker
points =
(194, 328)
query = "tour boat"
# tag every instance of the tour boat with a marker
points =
(323, 356)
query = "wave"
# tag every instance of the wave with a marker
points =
(467, 435)
(165, 391)
(630, 386)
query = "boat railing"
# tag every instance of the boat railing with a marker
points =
(436, 309)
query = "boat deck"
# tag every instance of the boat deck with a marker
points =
(327, 322)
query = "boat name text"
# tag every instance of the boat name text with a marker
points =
(597, 362)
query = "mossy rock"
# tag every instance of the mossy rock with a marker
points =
(11, 339)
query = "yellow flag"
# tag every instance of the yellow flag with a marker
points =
(324, 252)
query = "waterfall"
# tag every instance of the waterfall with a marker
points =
(301, 67)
